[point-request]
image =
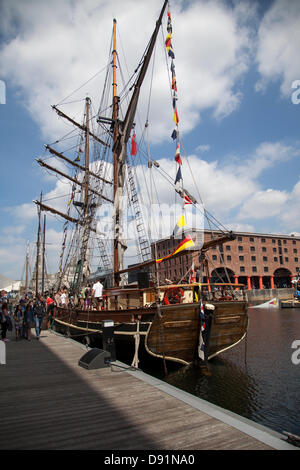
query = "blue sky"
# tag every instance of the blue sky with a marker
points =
(236, 62)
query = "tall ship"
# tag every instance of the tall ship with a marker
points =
(182, 320)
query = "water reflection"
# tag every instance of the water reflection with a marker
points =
(257, 378)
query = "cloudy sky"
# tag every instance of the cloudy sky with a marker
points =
(238, 77)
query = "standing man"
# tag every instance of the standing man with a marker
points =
(39, 311)
(97, 294)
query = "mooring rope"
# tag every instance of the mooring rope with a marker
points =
(135, 362)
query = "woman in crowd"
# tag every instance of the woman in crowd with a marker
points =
(18, 319)
(4, 314)
(29, 321)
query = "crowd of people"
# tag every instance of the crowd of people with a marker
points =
(22, 317)
(37, 313)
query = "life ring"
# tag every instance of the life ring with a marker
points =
(174, 295)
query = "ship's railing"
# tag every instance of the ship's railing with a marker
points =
(208, 291)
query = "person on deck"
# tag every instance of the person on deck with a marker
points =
(97, 291)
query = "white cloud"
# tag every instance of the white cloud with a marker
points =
(58, 46)
(264, 204)
(278, 45)
(203, 148)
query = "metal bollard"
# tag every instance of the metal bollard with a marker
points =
(108, 328)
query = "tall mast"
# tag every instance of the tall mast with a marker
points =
(38, 243)
(43, 256)
(117, 169)
(87, 157)
(122, 132)
(27, 267)
(86, 209)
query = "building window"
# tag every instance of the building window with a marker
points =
(241, 258)
(251, 239)
(285, 250)
(295, 250)
(297, 270)
(264, 249)
(228, 247)
(273, 241)
(242, 269)
(240, 248)
(263, 240)
(286, 259)
(254, 269)
(252, 248)
(253, 258)
(266, 269)
(296, 260)
(294, 242)
(284, 242)
(214, 257)
(228, 258)
(240, 239)
(275, 258)
(274, 250)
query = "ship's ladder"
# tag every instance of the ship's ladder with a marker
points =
(143, 240)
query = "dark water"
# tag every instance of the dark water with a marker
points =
(257, 378)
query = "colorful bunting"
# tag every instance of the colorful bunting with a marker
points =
(178, 175)
(183, 245)
(133, 145)
(201, 346)
(177, 155)
(176, 118)
(187, 200)
(180, 224)
(174, 134)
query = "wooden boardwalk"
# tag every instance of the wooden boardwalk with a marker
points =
(49, 402)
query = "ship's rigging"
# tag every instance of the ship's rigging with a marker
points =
(98, 182)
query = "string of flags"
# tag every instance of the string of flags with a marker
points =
(171, 54)
(175, 134)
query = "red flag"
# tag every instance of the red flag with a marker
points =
(177, 155)
(133, 145)
(187, 200)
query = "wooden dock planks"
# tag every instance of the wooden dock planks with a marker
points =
(49, 402)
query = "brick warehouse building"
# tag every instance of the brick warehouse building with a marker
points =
(254, 259)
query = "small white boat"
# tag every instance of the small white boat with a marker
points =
(273, 303)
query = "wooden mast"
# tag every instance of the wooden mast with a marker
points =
(122, 132)
(115, 116)
(38, 242)
(87, 157)
(43, 255)
(84, 268)
(27, 267)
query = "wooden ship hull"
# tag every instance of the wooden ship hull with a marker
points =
(172, 328)
(169, 332)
